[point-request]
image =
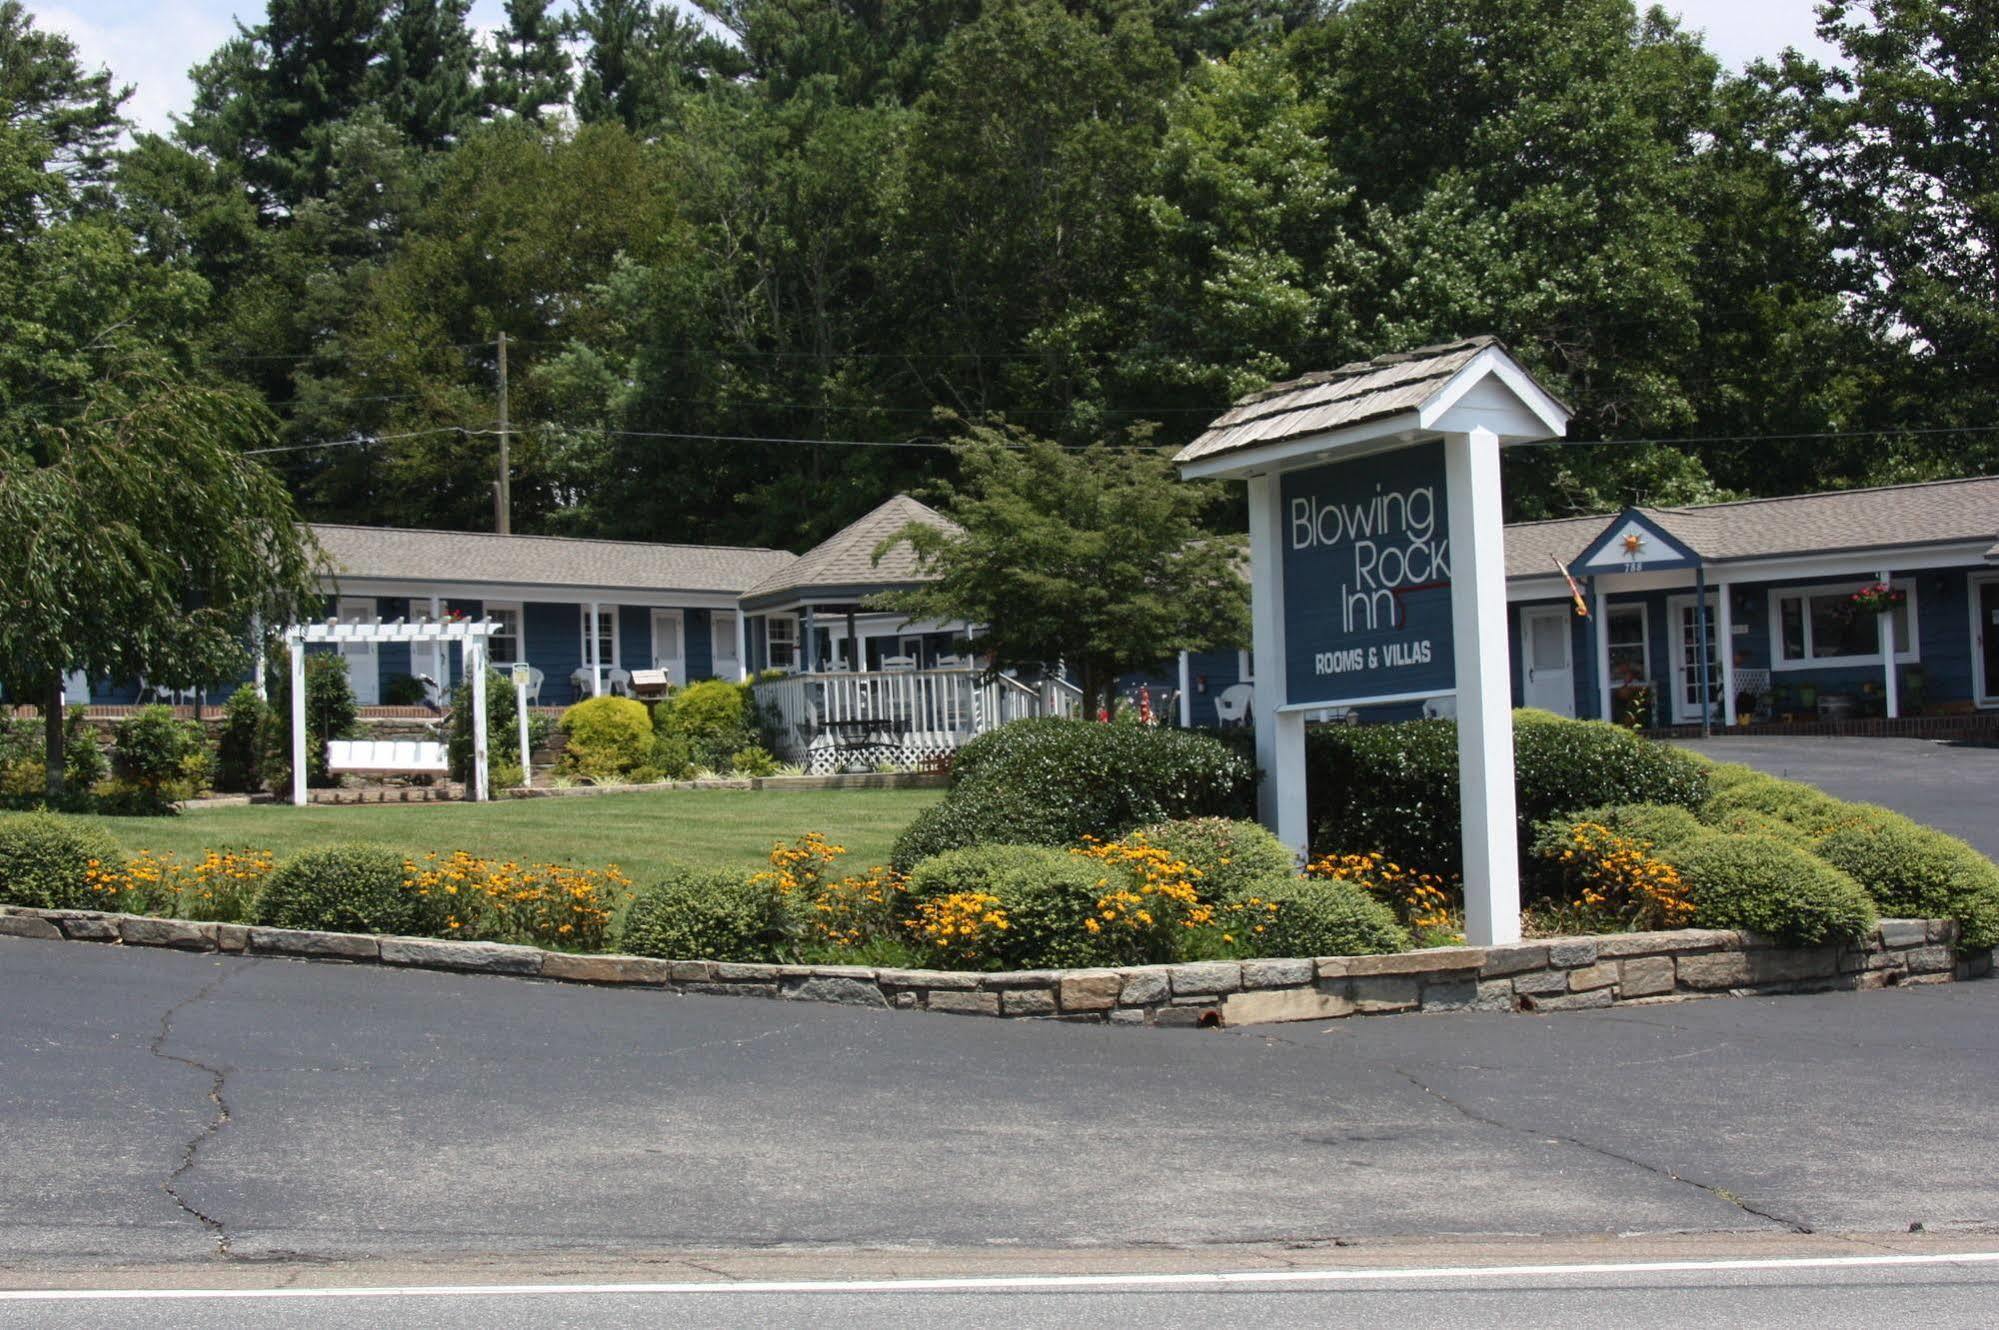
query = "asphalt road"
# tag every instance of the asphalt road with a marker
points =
(1948, 786)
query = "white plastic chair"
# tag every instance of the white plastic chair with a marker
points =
(535, 677)
(1232, 703)
(898, 662)
(618, 681)
(1440, 708)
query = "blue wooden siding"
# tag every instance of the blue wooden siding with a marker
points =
(1208, 673)
(698, 642)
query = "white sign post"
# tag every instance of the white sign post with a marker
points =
(1365, 596)
(520, 673)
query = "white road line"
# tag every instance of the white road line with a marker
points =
(1001, 1283)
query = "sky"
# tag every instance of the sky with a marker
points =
(153, 43)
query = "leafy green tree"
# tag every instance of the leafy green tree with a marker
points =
(45, 90)
(1094, 558)
(639, 57)
(524, 69)
(428, 76)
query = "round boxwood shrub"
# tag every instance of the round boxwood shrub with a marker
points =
(1231, 856)
(347, 889)
(45, 861)
(707, 915)
(1045, 893)
(608, 738)
(1811, 811)
(1918, 872)
(1052, 782)
(1394, 788)
(1771, 887)
(1661, 825)
(1316, 917)
(162, 755)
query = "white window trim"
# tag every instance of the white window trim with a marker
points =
(1245, 665)
(1644, 613)
(1905, 654)
(795, 642)
(1984, 688)
(519, 611)
(610, 662)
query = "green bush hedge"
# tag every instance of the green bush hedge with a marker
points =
(1662, 825)
(1769, 886)
(162, 755)
(1394, 788)
(609, 738)
(45, 861)
(714, 719)
(1231, 856)
(1046, 893)
(330, 713)
(1321, 917)
(691, 914)
(503, 731)
(1811, 811)
(1917, 872)
(237, 757)
(1053, 782)
(347, 889)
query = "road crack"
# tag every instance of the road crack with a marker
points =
(1605, 1152)
(218, 1081)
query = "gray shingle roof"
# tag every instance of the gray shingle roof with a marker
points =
(1938, 512)
(1363, 390)
(847, 558)
(553, 561)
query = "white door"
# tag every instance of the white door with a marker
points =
(363, 671)
(1985, 640)
(669, 649)
(722, 635)
(1686, 661)
(1548, 680)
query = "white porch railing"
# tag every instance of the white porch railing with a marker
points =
(921, 711)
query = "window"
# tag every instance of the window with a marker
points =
(504, 646)
(1629, 652)
(1245, 666)
(722, 639)
(1811, 626)
(607, 636)
(782, 630)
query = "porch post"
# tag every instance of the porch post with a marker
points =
(1726, 651)
(1701, 648)
(1602, 612)
(808, 650)
(742, 645)
(1484, 688)
(1186, 690)
(1280, 746)
(297, 645)
(472, 656)
(854, 661)
(596, 649)
(1889, 682)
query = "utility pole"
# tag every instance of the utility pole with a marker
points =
(503, 493)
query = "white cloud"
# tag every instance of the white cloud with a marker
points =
(1740, 31)
(151, 47)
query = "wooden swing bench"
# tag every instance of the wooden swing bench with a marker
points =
(385, 757)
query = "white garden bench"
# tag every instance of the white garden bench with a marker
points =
(417, 757)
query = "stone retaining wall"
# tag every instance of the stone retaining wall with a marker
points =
(1568, 974)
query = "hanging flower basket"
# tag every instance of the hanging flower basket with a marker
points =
(1877, 598)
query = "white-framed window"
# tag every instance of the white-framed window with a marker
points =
(782, 637)
(1817, 626)
(1629, 644)
(607, 635)
(1245, 666)
(504, 646)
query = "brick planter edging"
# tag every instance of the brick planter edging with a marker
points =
(1557, 974)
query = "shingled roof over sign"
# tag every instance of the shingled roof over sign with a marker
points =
(1335, 399)
(845, 561)
(369, 553)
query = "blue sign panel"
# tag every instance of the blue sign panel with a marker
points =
(1367, 579)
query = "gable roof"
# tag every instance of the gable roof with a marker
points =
(1353, 394)
(1938, 512)
(403, 554)
(846, 559)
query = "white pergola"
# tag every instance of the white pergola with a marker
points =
(468, 634)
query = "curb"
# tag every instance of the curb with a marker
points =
(1559, 974)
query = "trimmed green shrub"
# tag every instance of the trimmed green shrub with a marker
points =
(164, 756)
(693, 914)
(672, 757)
(1771, 887)
(608, 738)
(347, 889)
(330, 713)
(1394, 788)
(237, 757)
(1749, 822)
(1663, 825)
(503, 728)
(1053, 782)
(1231, 855)
(1046, 894)
(716, 718)
(1321, 917)
(83, 760)
(1811, 811)
(753, 761)
(45, 861)
(1918, 872)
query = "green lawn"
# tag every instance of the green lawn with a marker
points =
(718, 828)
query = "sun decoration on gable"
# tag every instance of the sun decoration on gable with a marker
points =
(1633, 542)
